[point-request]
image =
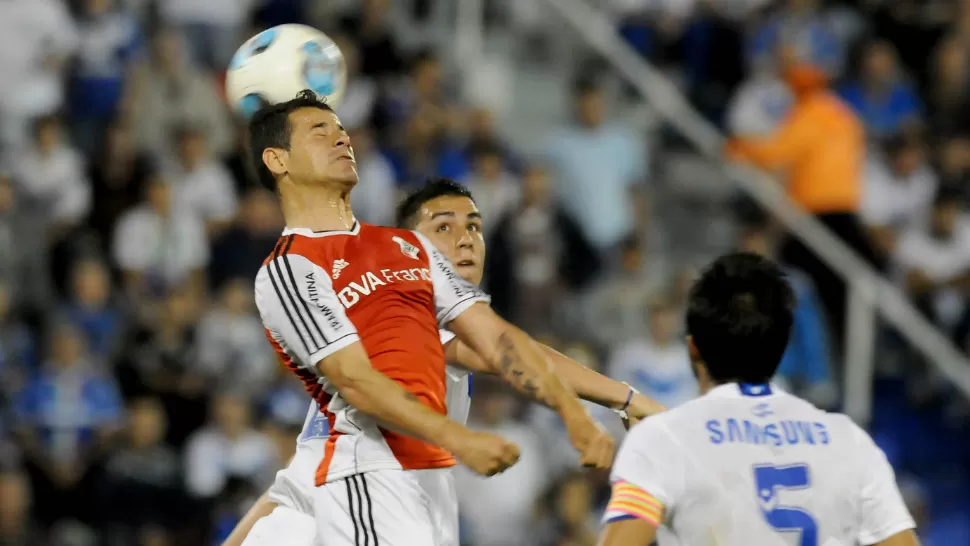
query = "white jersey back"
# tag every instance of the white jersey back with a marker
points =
(746, 465)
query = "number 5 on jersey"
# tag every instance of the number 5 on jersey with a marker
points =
(768, 481)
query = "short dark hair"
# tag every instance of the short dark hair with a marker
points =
(432, 189)
(740, 315)
(270, 128)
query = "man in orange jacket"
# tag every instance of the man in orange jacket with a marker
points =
(820, 148)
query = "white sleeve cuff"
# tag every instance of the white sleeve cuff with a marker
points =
(331, 348)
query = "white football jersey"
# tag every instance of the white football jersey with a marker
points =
(745, 465)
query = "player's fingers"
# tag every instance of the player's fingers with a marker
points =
(510, 454)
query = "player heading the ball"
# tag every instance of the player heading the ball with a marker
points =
(354, 310)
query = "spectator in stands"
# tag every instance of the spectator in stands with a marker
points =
(801, 24)
(481, 129)
(898, 192)
(286, 405)
(821, 145)
(537, 255)
(498, 510)
(657, 363)
(569, 505)
(239, 252)
(420, 150)
(163, 364)
(93, 311)
(52, 178)
(935, 260)
(948, 97)
(171, 93)
(760, 103)
(66, 416)
(17, 528)
(953, 161)
(142, 481)
(617, 309)
(885, 102)
(212, 28)
(597, 171)
(18, 359)
(228, 447)
(38, 37)
(496, 191)
(374, 199)
(157, 245)
(22, 267)
(118, 174)
(201, 185)
(110, 42)
(380, 54)
(360, 98)
(230, 346)
(805, 369)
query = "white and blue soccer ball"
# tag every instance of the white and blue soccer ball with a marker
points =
(280, 62)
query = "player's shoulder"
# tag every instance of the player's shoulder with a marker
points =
(296, 259)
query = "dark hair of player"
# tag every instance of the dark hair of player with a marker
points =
(270, 128)
(407, 210)
(739, 315)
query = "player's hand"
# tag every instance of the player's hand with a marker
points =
(483, 453)
(595, 446)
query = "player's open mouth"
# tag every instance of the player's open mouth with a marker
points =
(465, 263)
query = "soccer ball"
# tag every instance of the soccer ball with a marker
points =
(280, 62)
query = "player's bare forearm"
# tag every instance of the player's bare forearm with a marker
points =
(906, 538)
(588, 384)
(597, 388)
(374, 394)
(628, 532)
(514, 356)
(262, 508)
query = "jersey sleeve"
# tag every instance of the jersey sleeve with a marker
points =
(881, 505)
(300, 310)
(452, 294)
(446, 336)
(647, 475)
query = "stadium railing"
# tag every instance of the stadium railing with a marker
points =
(869, 292)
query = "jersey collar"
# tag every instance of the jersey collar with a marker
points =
(744, 390)
(305, 232)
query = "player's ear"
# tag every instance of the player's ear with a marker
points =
(275, 160)
(695, 355)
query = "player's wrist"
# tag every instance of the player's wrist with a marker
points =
(449, 435)
(629, 398)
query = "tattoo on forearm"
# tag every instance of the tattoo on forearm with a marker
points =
(518, 375)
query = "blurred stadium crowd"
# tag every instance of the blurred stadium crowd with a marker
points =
(139, 401)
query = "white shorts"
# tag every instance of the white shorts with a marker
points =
(283, 525)
(389, 508)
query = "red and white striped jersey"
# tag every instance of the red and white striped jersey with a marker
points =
(390, 289)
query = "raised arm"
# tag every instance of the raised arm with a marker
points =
(463, 308)
(587, 384)
(522, 364)
(306, 322)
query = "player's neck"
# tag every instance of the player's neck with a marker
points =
(316, 208)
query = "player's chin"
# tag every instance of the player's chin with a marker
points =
(470, 271)
(345, 172)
